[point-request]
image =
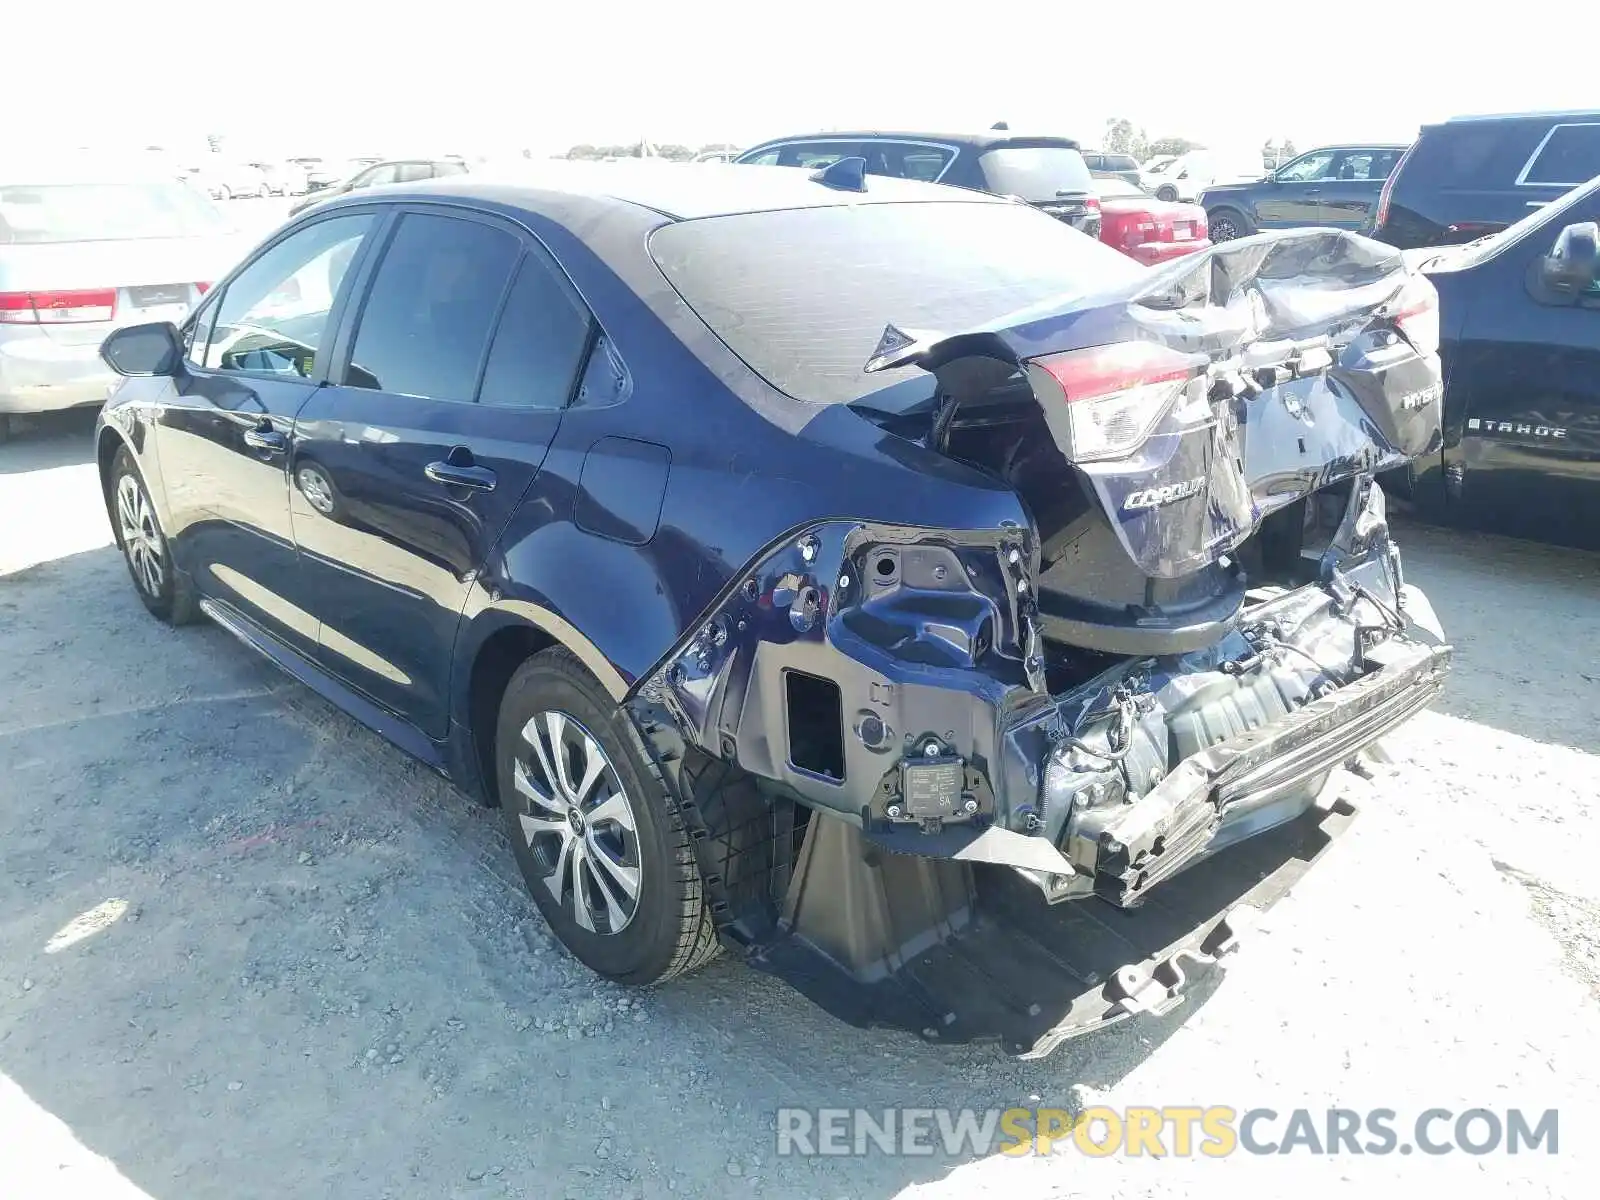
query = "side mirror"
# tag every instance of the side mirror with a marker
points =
(1573, 267)
(151, 349)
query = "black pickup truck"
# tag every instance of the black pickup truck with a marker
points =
(1520, 344)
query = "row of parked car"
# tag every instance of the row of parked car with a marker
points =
(1499, 212)
(1524, 411)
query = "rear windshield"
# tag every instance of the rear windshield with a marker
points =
(96, 212)
(803, 295)
(1036, 173)
(1120, 162)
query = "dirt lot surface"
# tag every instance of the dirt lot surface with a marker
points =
(247, 949)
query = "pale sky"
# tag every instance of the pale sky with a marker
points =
(470, 76)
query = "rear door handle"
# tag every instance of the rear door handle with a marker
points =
(449, 474)
(265, 437)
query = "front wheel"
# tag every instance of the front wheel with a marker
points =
(1167, 192)
(144, 546)
(601, 843)
(1226, 224)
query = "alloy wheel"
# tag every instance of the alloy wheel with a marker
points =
(578, 822)
(316, 488)
(1223, 229)
(141, 536)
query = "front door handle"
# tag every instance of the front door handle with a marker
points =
(449, 474)
(265, 437)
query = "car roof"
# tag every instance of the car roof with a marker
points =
(1554, 115)
(679, 191)
(977, 139)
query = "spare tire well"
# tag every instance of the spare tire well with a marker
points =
(496, 662)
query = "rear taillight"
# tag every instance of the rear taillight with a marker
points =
(1387, 191)
(1116, 394)
(1092, 203)
(57, 308)
(202, 288)
(1415, 312)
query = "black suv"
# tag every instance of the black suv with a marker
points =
(1048, 172)
(1471, 176)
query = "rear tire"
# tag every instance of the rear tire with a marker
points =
(1226, 224)
(1167, 192)
(165, 592)
(610, 865)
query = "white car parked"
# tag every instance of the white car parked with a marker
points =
(1186, 176)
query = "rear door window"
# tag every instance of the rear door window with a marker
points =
(1036, 173)
(1569, 156)
(903, 160)
(432, 304)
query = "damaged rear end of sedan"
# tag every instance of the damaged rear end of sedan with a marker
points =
(973, 780)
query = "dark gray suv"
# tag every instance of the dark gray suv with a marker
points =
(1047, 172)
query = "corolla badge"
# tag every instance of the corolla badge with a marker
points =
(1157, 496)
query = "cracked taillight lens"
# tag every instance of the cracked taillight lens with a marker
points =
(1415, 312)
(1115, 394)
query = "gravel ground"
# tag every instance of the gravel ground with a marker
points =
(248, 949)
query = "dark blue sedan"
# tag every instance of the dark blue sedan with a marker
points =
(1333, 186)
(841, 569)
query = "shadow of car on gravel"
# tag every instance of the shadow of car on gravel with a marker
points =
(329, 980)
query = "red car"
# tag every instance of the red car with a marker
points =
(1144, 228)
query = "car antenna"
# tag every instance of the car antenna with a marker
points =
(845, 174)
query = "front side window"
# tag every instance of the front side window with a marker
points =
(767, 158)
(433, 302)
(1307, 167)
(899, 160)
(539, 343)
(815, 155)
(413, 172)
(373, 176)
(273, 318)
(1570, 156)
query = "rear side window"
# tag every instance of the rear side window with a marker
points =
(1035, 172)
(413, 172)
(103, 212)
(803, 295)
(433, 302)
(540, 342)
(442, 169)
(1569, 156)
